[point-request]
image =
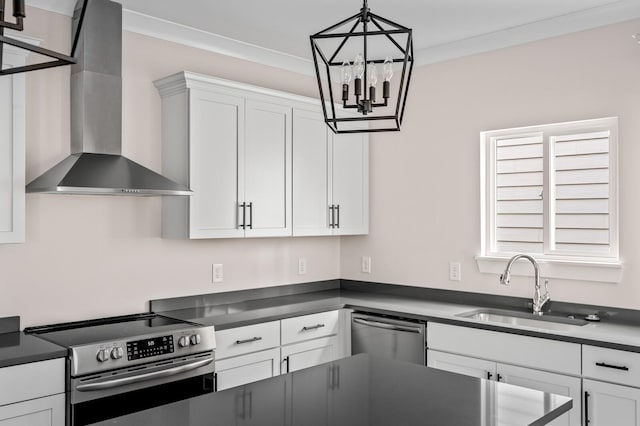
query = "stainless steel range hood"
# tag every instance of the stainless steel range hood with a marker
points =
(96, 165)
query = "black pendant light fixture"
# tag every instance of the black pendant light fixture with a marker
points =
(57, 59)
(347, 58)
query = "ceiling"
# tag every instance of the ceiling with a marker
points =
(443, 29)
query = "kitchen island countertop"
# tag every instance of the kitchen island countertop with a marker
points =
(361, 390)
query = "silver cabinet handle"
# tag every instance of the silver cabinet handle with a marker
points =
(286, 359)
(253, 339)
(387, 326)
(337, 225)
(112, 383)
(243, 206)
(615, 367)
(312, 327)
(250, 205)
(332, 216)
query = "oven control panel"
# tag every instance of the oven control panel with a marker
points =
(149, 347)
(115, 354)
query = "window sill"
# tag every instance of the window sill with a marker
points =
(608, 272)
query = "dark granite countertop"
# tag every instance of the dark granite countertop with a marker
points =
(19, 348)
(361, 391)
(619, 328)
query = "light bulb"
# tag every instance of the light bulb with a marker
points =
(373, 75)
(358, 65)
(387, 68)
(346, 72)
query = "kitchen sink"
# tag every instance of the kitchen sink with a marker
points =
(526, 319)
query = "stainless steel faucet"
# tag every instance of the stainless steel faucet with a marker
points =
(539, 299)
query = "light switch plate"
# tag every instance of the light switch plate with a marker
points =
(218, 273)
(455, 271)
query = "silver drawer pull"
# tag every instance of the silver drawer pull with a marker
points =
(312, 327)
(616, 367)
(253, 339)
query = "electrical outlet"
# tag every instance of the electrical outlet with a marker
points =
(302, 266)
(366, 264)
(455, 271)
(218, 273)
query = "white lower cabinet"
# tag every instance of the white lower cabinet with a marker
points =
(607, 404)
(243, 369)
(47, 411)
(531, 362)
(259, 351)
(526, 377)
(307, 354)
(610, 386)
(462, 364)
(32, 394)
(547, 382)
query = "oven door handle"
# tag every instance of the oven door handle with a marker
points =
(112, 383)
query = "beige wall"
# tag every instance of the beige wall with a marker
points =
(425, 193)
(91, 256)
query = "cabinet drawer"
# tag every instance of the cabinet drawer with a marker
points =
(525, 351)
(611, 365)
(30, 381)
(243, 340)
(309, 327)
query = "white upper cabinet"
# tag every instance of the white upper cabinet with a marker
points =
(312, 196)
(330, 178)
(350, 183)
(232, 147)
(249, 154)
(267, 169)
(12, 151)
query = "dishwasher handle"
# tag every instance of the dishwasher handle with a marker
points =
(387, 326)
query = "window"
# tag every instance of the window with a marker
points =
(551, 191)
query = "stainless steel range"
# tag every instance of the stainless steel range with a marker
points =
(125, 364)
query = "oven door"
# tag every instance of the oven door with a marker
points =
(115, 393)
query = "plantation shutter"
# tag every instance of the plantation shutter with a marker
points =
(518, 194)
(581, 208)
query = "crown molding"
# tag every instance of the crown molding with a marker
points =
(611, 13)
(188, 36)
(617, 11)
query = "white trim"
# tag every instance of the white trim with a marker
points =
(611, 13)
(606, 272)
(176, 33)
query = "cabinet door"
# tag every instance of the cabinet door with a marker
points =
(461, 364)
(47, 411)
(267, 169)
(12, 151)
(216, 125)
(307, 354)
(245, 369)
(350, 184)
(311, 176)
(547, 382)
(608, 405)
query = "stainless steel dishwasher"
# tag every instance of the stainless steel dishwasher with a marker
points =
(387, 337)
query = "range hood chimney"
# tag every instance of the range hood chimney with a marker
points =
(96, 165)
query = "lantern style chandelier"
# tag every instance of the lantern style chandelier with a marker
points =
(347, 57)
(57, 59)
